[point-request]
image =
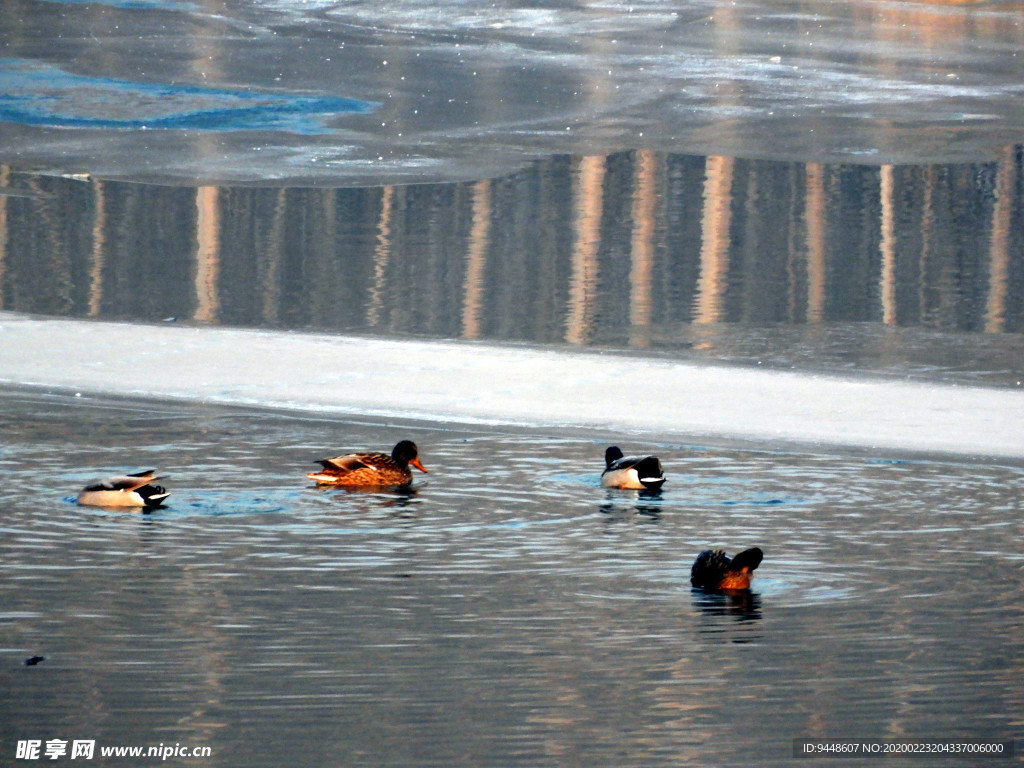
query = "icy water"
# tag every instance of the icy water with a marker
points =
(914, 271)
(507, 611)
(829, 188)
(276, 91)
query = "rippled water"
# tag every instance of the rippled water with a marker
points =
(508, 610)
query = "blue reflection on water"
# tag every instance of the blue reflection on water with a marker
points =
(42, 94)
(134, 4)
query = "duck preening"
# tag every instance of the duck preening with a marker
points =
(371, 469)
(641, 473)
(715, 570)
(134, 490)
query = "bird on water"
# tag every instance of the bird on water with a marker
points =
(714, 570)
(643, 473)
(133, 490)
(370, 469)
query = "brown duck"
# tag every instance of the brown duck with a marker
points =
(716, 571)
(371, 469)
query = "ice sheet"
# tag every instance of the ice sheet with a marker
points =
(464, 92)
(476, 383)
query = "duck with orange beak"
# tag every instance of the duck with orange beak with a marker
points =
(371, 470)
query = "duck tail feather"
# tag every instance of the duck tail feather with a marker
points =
(747, 560)
(143, 473)
(649, 467)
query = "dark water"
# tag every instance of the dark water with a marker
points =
(911, 270)
(509, 611)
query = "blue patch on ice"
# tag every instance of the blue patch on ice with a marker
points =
(143, 4)
(32, 93)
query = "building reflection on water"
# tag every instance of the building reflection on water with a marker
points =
(626, 249)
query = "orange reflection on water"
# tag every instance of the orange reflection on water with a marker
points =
(631, 248)
(715, 240)
(814, 212)
(476, 260)
(381, 257)
(588, 201)
(641, 275)
(888, 248)
(99, 241)
(207, 281)
(999, 249)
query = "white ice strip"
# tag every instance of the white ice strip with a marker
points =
(473, 382)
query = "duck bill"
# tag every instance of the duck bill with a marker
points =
(416, 463)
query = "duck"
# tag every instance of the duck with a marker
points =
(371, 469)
(639, 473)
(715, 571)
(133, 490)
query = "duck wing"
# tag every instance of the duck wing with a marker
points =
(124, 482)
(747, 560)
(634, 472)
(649, 468)
(626, 462)
(352, 462)
(648, 465)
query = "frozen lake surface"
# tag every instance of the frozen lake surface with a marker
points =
(474, 383)
(308, 92)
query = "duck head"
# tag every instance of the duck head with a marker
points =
(613, 454)
(405, 453)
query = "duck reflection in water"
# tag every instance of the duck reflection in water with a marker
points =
(616, 513)
(724, 613)
(400, 501)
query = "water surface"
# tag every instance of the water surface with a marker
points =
(914, 271)
(826, 187)
(508, 611)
